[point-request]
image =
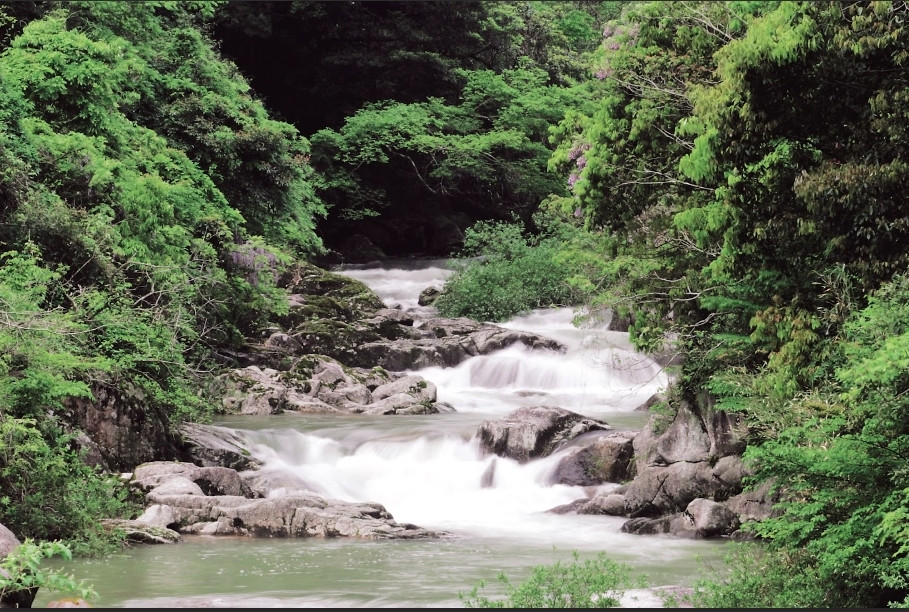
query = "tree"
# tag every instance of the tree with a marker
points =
(148, 204)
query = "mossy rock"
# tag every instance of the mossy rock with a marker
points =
(394, 330)
(312, 280)
(335, 339)
(319, 307)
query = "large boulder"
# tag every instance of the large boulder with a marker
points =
(686, 476)
(601, 457)
(210, 445)
(658, 490)
(698, 455)
(534, 431)
(712, 518)
(117, 427)
(702, 518)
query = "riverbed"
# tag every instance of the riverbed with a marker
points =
(427, 470)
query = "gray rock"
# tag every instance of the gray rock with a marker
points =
(668, 489)
(755, 504)
(612, 504)
(157, 515)
(711, 518)
(439, 342)
(252, 390)
(606, 457)
(679, 525)
(428, 296)
(531, 432)
(210, 445)
(321, 385)
(177, 503)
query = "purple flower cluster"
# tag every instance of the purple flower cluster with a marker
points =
(614, 38)
(578, 150)
(576, 154)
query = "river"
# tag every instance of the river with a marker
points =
(425, 470)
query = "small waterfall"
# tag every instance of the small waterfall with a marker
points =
(438, 481)
(589, 381)
(427, 470)
(431, 472)
(399, 283)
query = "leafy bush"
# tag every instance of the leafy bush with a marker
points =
(757, 577)
(592, 583)
(49, 493)
(21, 571)
(505, 274)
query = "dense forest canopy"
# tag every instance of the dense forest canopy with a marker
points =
(729, 177)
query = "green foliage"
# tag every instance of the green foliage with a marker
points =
(205, 110)
(490, 148)
(143, 215)
(840, 463)
(621, 162)
(49, 492)
(739, 220)
(505, 273)
(755, 577)
(22, 571)
(40, 353)
(592, 583)
(148, 206)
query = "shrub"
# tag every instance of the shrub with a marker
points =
(49, 493)
(592, 583)
(21, 571)
(505, 274)
(755, 576)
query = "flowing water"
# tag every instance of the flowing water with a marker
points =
(425, 470)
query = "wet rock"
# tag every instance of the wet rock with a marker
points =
(702, 518)
(531, 432)
(428, 296)
(174, 498)
(612, 504)
(210, 445)
(605, 457)
(679, 525)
